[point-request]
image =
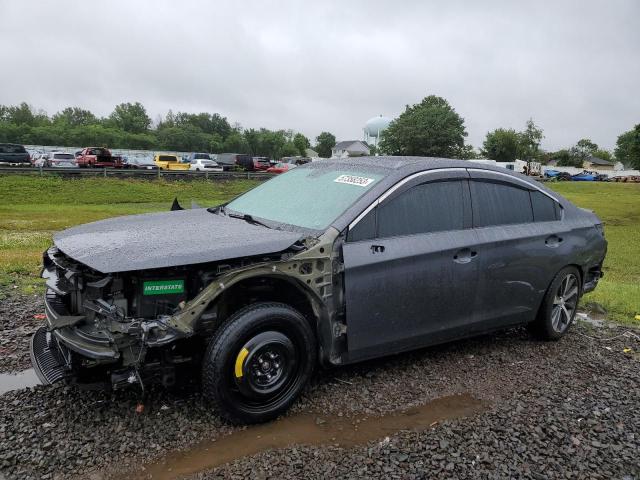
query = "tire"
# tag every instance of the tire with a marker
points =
(559, 305)
(258, 362)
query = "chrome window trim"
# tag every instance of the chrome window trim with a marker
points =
(532, 185)
(402, 182)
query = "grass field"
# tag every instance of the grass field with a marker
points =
(32, 209)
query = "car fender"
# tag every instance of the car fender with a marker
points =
(311, 270)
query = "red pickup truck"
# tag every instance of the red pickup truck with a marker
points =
(97, 157)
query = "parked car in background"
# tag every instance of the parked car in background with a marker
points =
(203, 165)
(232, 161)
(558, 175)
(197, 156)
(139, 163)
(584, 177)
(626, 178)
(333, 263)
(166, 161)
(95, 157)
(40, 160)
(61, 160)
(295, 160)
(252, 164)
(13, 154)
(281, 167)
(261, 163)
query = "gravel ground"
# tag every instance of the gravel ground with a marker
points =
(558, 410)
(17, 324)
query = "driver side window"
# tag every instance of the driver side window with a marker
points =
(426, 208)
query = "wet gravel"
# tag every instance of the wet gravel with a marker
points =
(567, 409)
(17, 323)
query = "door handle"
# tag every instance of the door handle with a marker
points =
(465, 255)
(377, 248)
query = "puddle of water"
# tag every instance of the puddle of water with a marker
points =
(309, 429)
(15, 381)
(590, 320)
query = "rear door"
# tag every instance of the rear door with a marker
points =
(521, 246)
(410, 274)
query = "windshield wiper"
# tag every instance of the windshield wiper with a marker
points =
(247, 218)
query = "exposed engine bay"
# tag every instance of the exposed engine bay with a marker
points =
(139, 327)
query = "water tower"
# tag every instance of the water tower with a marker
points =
(374, 127)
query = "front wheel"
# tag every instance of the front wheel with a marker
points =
(258, 362)
(559, 305)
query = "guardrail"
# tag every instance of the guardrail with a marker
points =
(131, 173)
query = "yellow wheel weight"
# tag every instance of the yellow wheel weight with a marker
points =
(240, 361)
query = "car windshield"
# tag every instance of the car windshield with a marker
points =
(167, 158)
(63, 156)
(203, 156)
(305, 197)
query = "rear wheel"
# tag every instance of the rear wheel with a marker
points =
(258, 362)
(559, 305)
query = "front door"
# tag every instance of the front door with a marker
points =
(411, 270)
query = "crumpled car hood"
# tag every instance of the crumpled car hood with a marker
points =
(168, 239)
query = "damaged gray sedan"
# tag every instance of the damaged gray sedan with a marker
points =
(331, 263)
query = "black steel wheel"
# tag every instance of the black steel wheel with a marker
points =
(258, 362)
(559, 305)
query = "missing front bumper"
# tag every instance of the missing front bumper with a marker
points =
(63, 327)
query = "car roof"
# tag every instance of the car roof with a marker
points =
(395, 168)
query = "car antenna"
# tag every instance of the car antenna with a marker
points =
(175, 205)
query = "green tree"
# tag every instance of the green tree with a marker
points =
(581, 151)
(236, 143)
(130, 117)
(466, 152)
(628, 148)
(501, 145)
(301, 143)
(564, 158)
(430, 128)
(324, 143)
(205, 122)
(604, 154)
(529, 142)
(20, 114)
(74, 117)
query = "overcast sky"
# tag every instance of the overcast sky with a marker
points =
(573, 66)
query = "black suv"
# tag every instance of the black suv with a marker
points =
(332, 262)
(14, 155)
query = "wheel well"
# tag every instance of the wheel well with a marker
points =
(580, 271)
(265, 289)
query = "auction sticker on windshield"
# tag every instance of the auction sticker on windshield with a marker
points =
(354, 180)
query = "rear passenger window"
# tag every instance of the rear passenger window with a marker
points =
(499, 204)
(430, 207)
(544, 208)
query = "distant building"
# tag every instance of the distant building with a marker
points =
(597, 164)
(350, 148)
(311, 153)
